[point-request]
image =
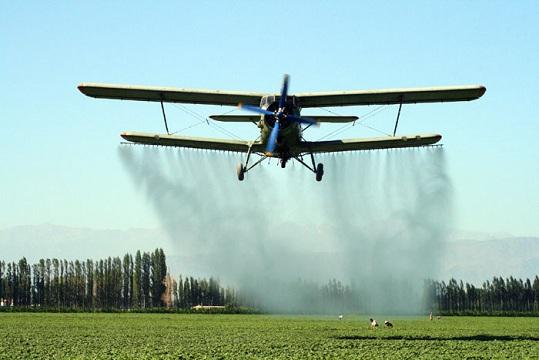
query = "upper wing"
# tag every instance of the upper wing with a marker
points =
(391, 96)
(387, 142)
(192, 142)
(167, 94)
(255, 118)
(233, 98)
(236, 118)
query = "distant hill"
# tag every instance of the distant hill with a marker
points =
(467, 259)
(476, 261)
(49, 241)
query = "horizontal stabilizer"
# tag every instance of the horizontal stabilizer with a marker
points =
(236, 118)
(331, 119)
(256, 118)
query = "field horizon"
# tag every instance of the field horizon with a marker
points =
(190, 336)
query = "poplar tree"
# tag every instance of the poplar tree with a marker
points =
(90, 283)
(116, 283)
(137, 277)
(127, 276)
(145, 280)
(48, 283)
(2, 281)
(158, 276)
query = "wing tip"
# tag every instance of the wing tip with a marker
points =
(482, 90)
(83, 88)
(126, 135)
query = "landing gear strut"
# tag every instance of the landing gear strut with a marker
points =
(241, 169)
(318, 170)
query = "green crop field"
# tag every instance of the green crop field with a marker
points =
(177, 336)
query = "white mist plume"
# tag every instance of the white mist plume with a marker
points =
(378, 221)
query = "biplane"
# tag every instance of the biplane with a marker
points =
(279, 118)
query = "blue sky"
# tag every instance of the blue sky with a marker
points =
(58, 152)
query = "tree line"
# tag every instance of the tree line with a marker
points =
(143, 283)
(139, 282)
(500, 296)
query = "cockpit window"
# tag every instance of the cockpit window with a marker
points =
(267, 100)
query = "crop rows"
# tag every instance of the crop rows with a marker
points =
(176, 336)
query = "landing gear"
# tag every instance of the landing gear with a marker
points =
(319, 171)
(241, 171)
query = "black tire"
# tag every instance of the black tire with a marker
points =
(240, 169)
(283, 163)
(319, 172)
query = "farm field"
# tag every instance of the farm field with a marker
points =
(180, 336)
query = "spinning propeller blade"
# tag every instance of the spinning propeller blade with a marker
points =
(272, 140)
(255, 109)
(284, 93)
(278, 115)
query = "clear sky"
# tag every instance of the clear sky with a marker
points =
(58, 153)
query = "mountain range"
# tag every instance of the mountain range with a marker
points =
(472, 257)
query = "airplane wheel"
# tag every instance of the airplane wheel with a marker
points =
(241, 171)
(319, 172)
(283, 164)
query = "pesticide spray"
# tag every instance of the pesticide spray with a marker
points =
(377, 222)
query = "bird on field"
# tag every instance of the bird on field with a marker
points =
(374, 323)
(341, 317)
(388, 324)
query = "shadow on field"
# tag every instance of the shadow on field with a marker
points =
(479, 337)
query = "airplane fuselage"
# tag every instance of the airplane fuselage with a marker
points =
(290, 132)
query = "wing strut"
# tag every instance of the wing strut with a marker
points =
(164, 115)
(398, 116)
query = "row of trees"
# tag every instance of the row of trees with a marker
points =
(113, 283)
(188, 292)
(142, 282)
(499, 296)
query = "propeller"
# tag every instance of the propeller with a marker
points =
(272, 141)
(284, 92)
(279, 115)
(256, 109)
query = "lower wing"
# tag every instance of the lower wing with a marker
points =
(192, 142)
(386, 142)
